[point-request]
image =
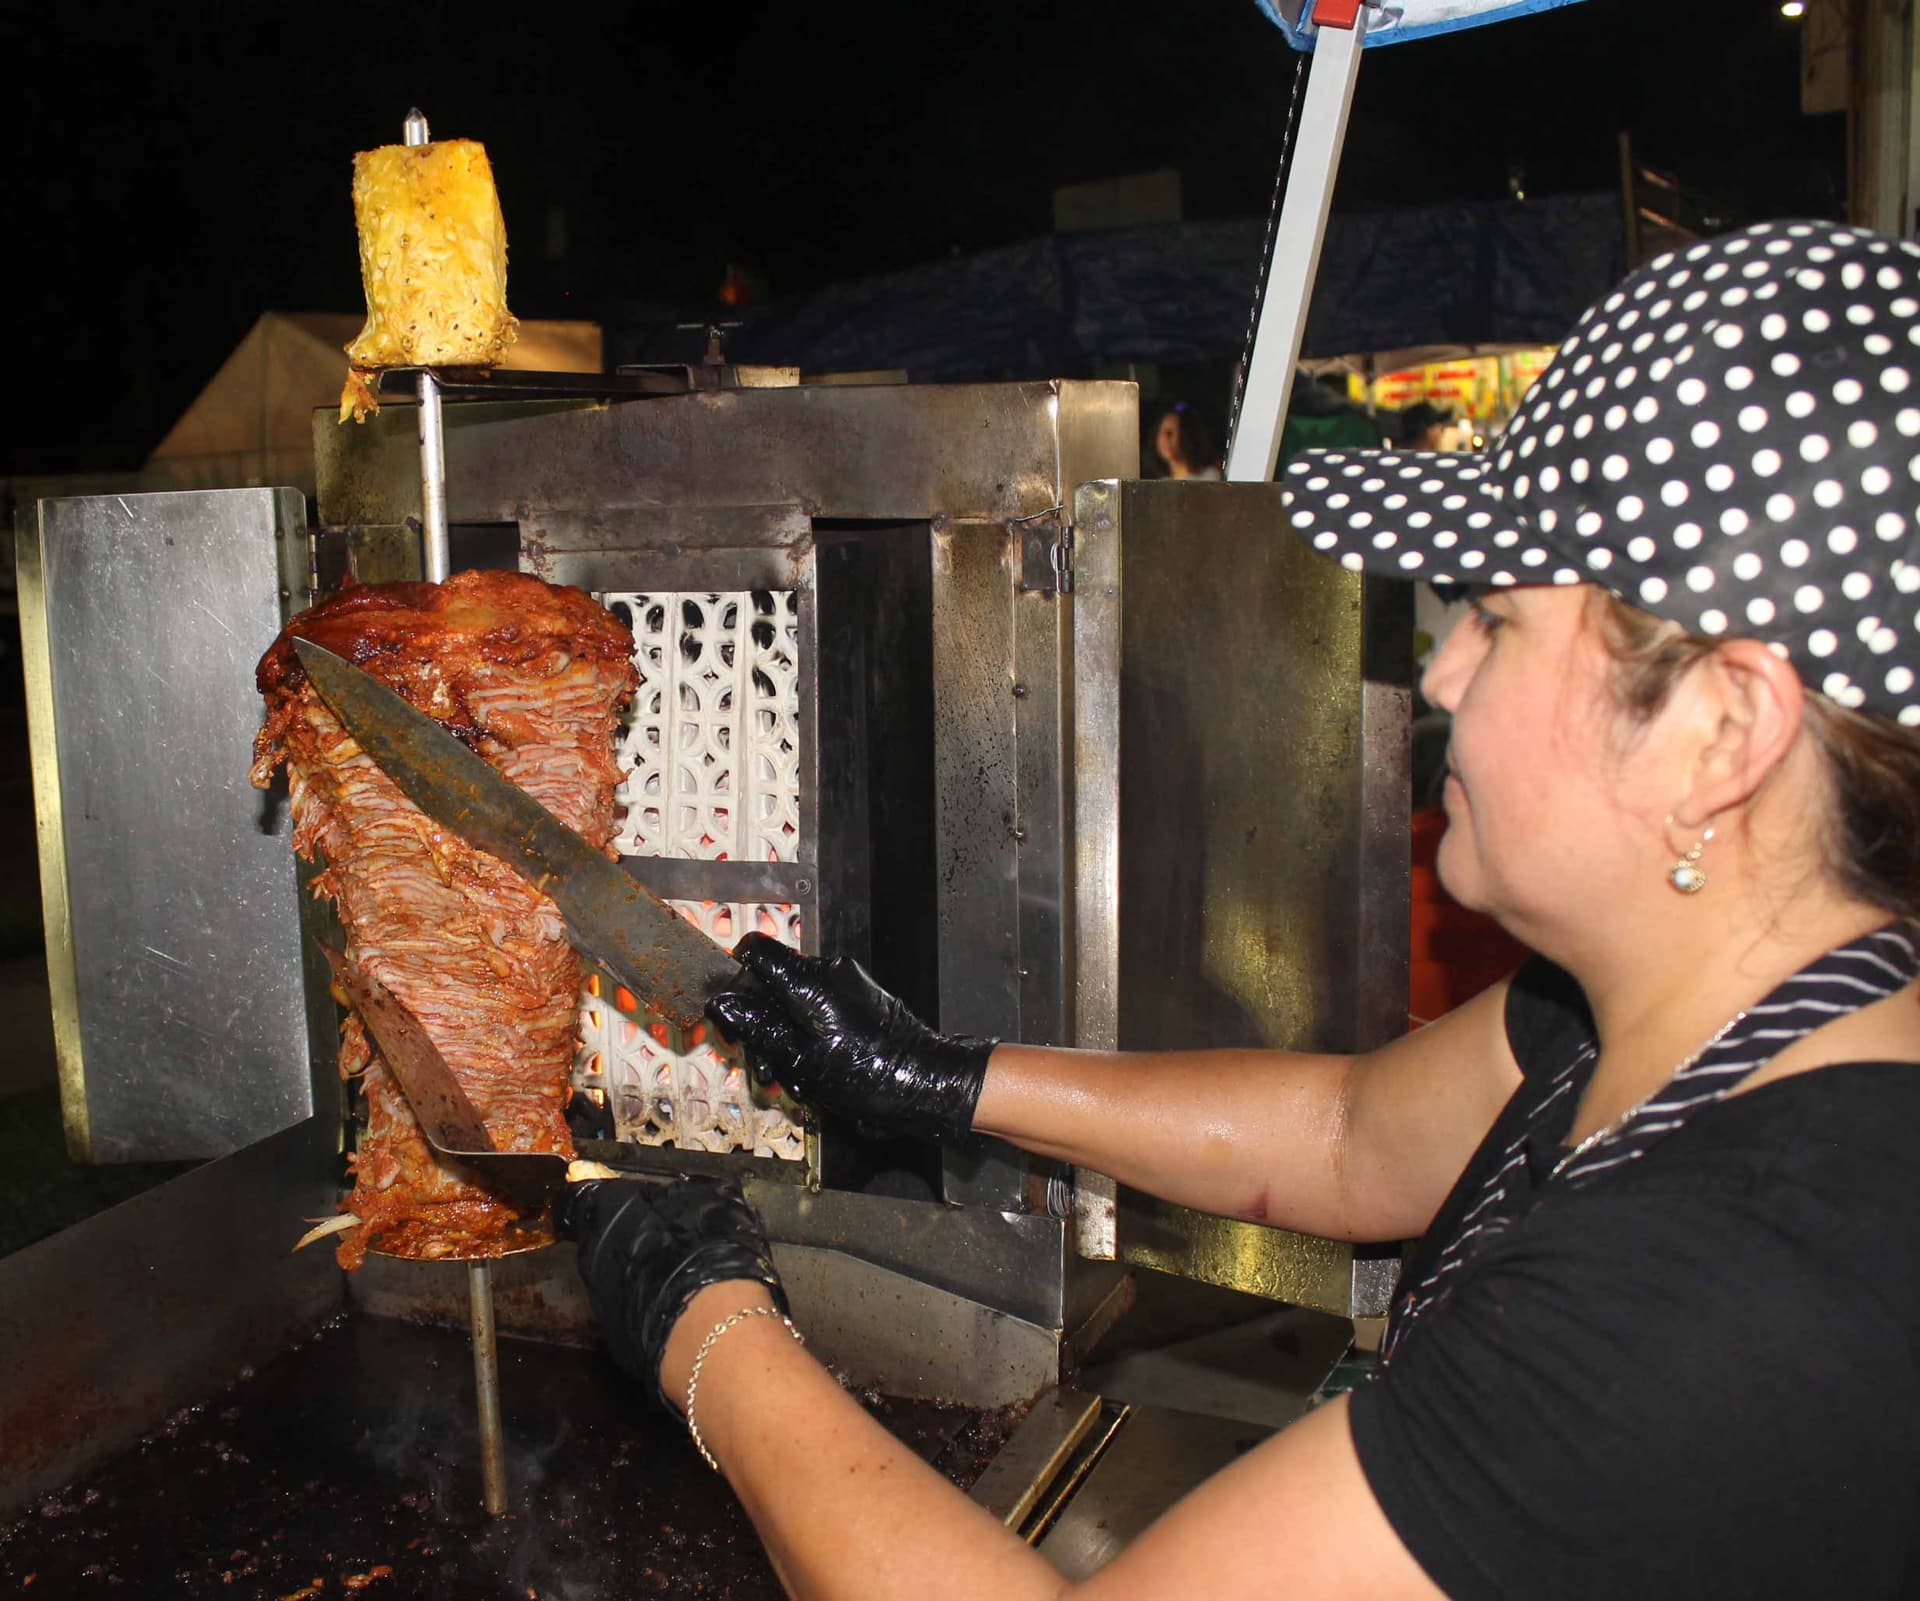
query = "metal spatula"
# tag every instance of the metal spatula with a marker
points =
(451, 1123)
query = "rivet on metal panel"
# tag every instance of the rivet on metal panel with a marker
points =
(1020, 691)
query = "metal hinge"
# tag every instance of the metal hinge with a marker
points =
(1046, 552)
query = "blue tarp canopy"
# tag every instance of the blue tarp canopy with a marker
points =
(1401, 20)
(1506, 272)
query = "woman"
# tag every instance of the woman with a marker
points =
(1658, 1338)
(1183, 445)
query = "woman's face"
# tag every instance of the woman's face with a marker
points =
(1554, 802)
(1166, 442)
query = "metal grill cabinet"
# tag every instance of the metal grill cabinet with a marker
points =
(929, 680)
(854, 724)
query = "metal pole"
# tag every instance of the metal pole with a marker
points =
(486, 1385)
(433, 452)
(434, 553)
(434, 557)
(1296, 252)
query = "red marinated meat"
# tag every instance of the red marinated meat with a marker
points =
(532, 677)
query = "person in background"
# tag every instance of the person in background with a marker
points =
(1424, 427)
(1321, 417)
(1184, 445)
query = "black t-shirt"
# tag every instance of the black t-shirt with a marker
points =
(1695, 1375)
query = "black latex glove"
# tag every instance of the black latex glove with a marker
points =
(646, 1249)
(831, 1037)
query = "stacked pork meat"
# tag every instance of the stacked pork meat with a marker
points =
(533, 678)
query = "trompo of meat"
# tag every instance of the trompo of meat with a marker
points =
(532, 677)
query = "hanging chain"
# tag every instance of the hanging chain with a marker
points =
(1300, 61)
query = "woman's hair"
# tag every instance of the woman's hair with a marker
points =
(1872, 763)
(1196, 444)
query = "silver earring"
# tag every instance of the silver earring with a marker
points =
(1686, 875)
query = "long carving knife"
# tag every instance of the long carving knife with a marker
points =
(662, 958)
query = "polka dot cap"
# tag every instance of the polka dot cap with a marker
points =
(1731, 439)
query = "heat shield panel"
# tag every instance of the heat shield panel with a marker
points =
(173, 939)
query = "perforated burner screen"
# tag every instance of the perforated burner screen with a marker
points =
(711, 748)
(711, 754)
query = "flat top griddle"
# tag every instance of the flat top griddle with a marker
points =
(358, 1449)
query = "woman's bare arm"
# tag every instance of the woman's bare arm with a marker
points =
(1351, 1147)
(847, 1513)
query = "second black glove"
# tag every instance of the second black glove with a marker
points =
(646, 1249)
(834, 1039)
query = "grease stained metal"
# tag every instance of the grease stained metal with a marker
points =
(347, 1466)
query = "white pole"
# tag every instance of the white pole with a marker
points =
(1296, 251)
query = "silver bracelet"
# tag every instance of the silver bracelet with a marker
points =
(700, 1357)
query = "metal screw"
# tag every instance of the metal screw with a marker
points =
(803, 886)
(1020, 691)
(1019, 835)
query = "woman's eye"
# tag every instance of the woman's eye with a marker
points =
(1490, 622)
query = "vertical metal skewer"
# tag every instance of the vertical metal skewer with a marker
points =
(433, 456)
(435, 559)
(486, 1384)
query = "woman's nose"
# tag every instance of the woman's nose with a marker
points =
(1447, 670)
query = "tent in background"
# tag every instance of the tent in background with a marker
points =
(253, 423)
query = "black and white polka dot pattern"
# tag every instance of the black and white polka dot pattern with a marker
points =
(1730, 439)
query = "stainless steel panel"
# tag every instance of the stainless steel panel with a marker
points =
(1243, 769)
(675, 878)
(1246, 731)
(1385, 840)
(185, 1029)
(1043, 713)
(891, 451)
(875, 1326)
(1010, 1261)
(1156, 1458)
(903, 1336)
(976, 778)
(983, 775)
(1029, 1462)
(112, 1324)
(1265, 1370)
(551, 530)
(1095, 734)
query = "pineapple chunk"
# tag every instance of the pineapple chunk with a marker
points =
(433, 259)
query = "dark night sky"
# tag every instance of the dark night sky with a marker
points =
(173, 171)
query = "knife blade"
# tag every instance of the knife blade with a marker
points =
(452, 1124)
(662, 958)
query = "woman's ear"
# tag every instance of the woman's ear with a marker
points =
(1749, 705)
